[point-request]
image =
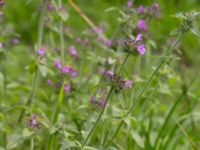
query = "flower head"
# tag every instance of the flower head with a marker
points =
(141, 49)
(49, 82)
(57, 64)
(141, 25)
(138, 38)
(129, 3)
(140, 9)
(67, 87)
(72, 51)
(41, 51)
(33, 121)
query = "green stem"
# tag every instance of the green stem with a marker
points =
(36, 76)
(163, 60)
(98, 119)
(106, 101)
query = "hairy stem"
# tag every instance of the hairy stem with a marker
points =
(162, 61)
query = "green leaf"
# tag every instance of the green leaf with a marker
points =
(135, 135)
(27, 132)
(64, 15)
(67, 144)
(43, 70)
(111, 9)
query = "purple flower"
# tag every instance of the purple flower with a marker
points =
(67, 87)
(92, 99)
(73, 72)
(98, 29)
(101, 70)
(140, 9)
(141, 49)
(130, 3)
(101, 103)
(110, 73)
(107, 43)
(57, 64)
(14, 40)
(72, 51)
(86, 41)
(78, 40)
(41, 51)
(128, 84)
(1, 45)
(66, 69)
(141, 25)
(138, 38)
(50, 7)
(33, 122)
(49, 82)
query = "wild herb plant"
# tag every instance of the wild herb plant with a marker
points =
(67, 83)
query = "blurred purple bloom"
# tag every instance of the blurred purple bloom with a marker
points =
(138, 38)
(107, 43)
(57, 64)
(128, 84)
(67, 87)
(73, 72)
(101, 70)
(49, 82)
(101, 103)
(141, 49)
(41, 51)
(86, 41)
(14, 40)
(141, 25)
(92, 99)
(50, 7)
(1, 45)
(32, 121)
(66, 69)
(130, 3)
(110, 73)
(78, 40)
(98, 29)
(140, 9)
(72, 51)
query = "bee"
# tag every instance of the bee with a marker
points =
(1, 3)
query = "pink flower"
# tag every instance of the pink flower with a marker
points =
(110, 73)
(128, 84)
(67, 87)
(107, 43)
(49, 82)
(140, 9)
(1, 45)
(130, 3)
(41, 51)
(141, 49)
(66, 69)
(57, 64)
(138, 38)
(141, 25)
(72, 51)
(73, 72)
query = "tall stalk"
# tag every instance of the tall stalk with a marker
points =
(162, 61)
(106, 101)
(37, 74)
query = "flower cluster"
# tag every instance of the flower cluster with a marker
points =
(117, 82)
(33, 121)
(72, 51)
(100, 102)
(65, 71)
(136, 44)
(152, 10)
